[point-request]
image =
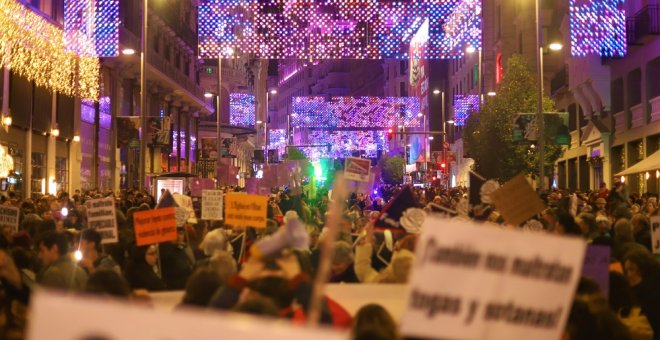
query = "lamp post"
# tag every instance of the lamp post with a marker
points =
(539, 96)
(266, 142)
(218, 123)
(143, 97)
(471, 49)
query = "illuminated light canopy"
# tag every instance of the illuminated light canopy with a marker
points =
(92, 27)
(463, 106)
(35, 48)
(341, 144)
(597, 27)
(355, 112)
(277, 139)
(337, 29)
(241, 109)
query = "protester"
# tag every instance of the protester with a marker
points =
(59, 270)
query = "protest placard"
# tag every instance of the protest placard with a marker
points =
(212, 205)
(101, 216)
(471, 281)
(154, 226)
(244, 210)
(655, 234)
(357, 169)
(597, 266)
(139, 321)
(9, 217)
(517, 201)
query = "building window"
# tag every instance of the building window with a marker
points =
(61, 173)
(403, 67)
(38, 173)
(403, 89)
(177, 60)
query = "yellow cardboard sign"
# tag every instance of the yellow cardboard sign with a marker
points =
(243, 210)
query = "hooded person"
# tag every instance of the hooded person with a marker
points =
(403, 257)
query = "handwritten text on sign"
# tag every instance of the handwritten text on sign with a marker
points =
(9, 217)
(154, 226)
(211, 204)
(101, 216)
(476, 282)
(243, 210)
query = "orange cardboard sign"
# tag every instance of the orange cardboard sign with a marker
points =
(243, 210)
(154, 226)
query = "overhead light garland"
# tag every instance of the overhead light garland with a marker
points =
(33, 47)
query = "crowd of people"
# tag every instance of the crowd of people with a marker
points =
(217, 266)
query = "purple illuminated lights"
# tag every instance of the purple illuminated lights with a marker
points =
(355, 112)
(92, 31)
(597, 27)
(337, 29)
(241, 109)
(463, 106)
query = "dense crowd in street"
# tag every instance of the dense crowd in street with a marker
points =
(219, 266)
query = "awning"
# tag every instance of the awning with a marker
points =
(650, 163)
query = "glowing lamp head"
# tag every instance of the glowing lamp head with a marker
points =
(436, 91)
(208, 95)
(273, 91)
(128, 51)
(76, 138)
(55, 132)
(470, 49)
(491, 94)
(64, 211)
(78, 255)
(6, 121)
(556, 46)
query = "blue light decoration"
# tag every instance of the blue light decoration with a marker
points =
(597, 27)
(241, 109)
(337, 29)
(91, 28)
(463, 106)
(341, 144)
(105, 115)
(355, 112)
(277, 140)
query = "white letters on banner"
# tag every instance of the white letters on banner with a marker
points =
(211, 204)
(101, 216)
(478, 282)
(9, 217)
(97, 318)
(655, 234)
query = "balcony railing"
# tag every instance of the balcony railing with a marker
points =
(620, 123)
(638, 114)
(655, 109)
(643, 23)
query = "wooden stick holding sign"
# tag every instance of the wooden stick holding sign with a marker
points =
(339, 194)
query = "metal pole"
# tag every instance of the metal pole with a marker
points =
(444, 132)
(143, 96)
(266, 131)
(218, 141)
(539, 108)
(481, 82)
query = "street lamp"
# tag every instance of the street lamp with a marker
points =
(492, 94)
(218, 124)
(471, 49)
(555, 46)
(266, 142)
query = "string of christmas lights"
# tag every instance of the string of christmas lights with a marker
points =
(336, 29)
(241, 109)
(597, 28)
(345, 143)
(355, 112)
(463, 106)
(91, 28)
(34, 48)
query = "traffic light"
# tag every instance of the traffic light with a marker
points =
(390, 133)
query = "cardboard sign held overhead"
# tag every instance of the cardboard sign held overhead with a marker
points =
(212, 205)
(9, 217)
(357, 169)
(517, 201)
(101, 216)
(477, 282)
(155, 226)
(244, 210)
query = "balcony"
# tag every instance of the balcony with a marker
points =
(643, 23)
(638, 114)
(620, 124)
(655, 109)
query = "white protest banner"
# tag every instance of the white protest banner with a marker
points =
(472, 281)
(101, 216)
(9, 217)
(144, 323)
(655, 234)
(212, 205)
(357, 169)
